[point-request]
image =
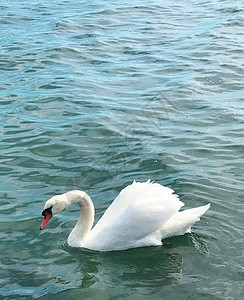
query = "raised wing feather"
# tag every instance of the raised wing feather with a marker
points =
(134, 193)
(139, 210)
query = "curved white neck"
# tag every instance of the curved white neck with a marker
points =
(86, 219)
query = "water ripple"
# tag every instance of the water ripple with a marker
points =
(95, 95)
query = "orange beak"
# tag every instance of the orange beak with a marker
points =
(46, 218)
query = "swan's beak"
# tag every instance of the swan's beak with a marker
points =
(46, 218)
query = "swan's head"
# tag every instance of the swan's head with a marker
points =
(52, 207)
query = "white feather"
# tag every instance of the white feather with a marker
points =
(142, 215)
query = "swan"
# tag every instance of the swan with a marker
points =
(143, 214)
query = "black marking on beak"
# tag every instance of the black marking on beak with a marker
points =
(47, 210)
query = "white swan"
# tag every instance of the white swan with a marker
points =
(142, 215)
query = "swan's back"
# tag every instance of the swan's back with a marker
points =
(139, 210)
(137, 192)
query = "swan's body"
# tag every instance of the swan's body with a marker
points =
(142, 215)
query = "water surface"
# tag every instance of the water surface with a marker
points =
(96, 94)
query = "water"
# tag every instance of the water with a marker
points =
(96, 94)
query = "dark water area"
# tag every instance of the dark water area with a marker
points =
(96, 94)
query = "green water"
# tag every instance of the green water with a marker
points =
(96, 94)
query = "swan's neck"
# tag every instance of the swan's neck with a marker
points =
(86, 219)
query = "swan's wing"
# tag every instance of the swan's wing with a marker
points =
(139, 210)
(146, 216)
(135, 193)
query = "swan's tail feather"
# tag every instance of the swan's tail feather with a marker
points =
(197, 212)
(182, 221)
(194, 214)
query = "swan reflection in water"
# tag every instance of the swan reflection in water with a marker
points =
(136, 268)
(130, 268)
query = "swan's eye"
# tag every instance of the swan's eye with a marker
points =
(47, 210)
